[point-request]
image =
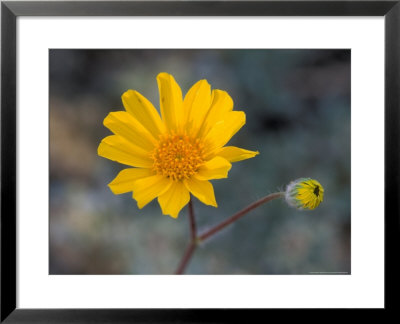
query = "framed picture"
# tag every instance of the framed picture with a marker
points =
(188, 161)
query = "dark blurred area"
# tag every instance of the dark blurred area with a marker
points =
(297, 104)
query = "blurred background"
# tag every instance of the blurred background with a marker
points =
(297, 104)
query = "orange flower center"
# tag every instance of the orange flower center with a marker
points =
(178, 156)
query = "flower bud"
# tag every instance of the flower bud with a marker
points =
(304, 193)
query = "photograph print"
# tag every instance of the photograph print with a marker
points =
(200, 161)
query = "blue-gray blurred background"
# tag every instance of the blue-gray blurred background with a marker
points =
(297, 104)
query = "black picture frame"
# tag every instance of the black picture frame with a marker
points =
(10, 10)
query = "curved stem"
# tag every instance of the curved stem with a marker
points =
(193, 229)
(193, 241)
(186, 258)
(238, 215)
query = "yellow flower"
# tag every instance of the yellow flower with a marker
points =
(304, 193)
(175, 154)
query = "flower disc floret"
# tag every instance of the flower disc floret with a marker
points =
(177, 156)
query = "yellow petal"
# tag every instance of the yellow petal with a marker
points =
(118, 149)
(171, 104)
(235, 154)
(196, 104)
(146, 189)
(223, 131)
(124, 124)
(221, 104)
(174, 199)
(216, 168)
(143, 110)
(123, 182)
(203, 190)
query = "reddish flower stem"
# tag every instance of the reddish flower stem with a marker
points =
(197, 239)
(193, 229)
(186, 258)
(193, 241)
(238, 215)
